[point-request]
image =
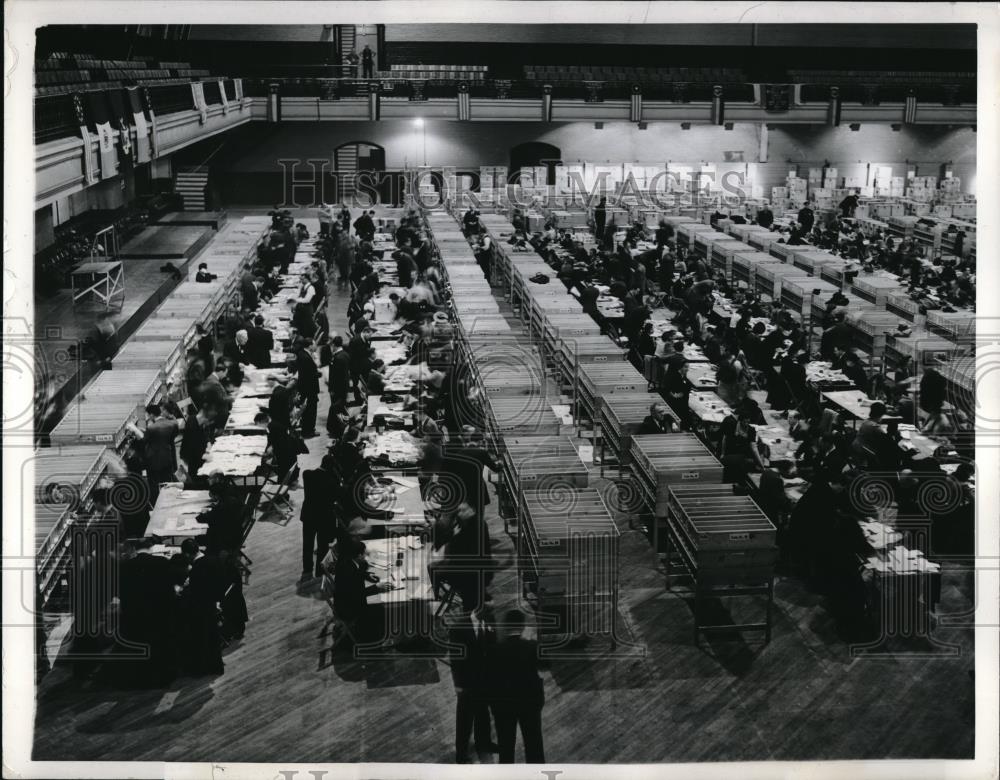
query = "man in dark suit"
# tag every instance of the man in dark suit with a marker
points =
(352, 584)
(468, 562)
(364, 226)
(600, 216)
(307, 385)
(470, 635)
(318, 515)
(204, 591)
(260, 342)
(368, 62)
(806, 218)
(837, 335)
(664, 233)
(657, 421)
(516, 692)
(224, 518)
(339, 372)
(406, 268)
(159, 450)
(248, 292)
(358, 352)
(765, 217)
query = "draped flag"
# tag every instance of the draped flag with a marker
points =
(910, 108)
(88, 162)
(141, 127)
(100, 119)
(120, 110)
(718, 106)
(635, 104)
(147, 102)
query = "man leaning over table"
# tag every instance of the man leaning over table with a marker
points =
(159, 451)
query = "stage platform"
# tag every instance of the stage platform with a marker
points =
(58, 324)
(167, 242)
(212, 219)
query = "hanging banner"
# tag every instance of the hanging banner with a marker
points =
(100, 120)
(120, 113)
(89, 173)
(154, 142)
(142, 154)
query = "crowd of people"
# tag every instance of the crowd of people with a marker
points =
(760, 345)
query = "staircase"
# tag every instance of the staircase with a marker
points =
(348, 40)
(190, 185)
(346, 161)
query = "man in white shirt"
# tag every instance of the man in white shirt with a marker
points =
(325, 214)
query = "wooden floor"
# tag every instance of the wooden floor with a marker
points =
(657, 698)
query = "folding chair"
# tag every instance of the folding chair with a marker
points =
(244, 562)
(447, 594)
(274, 494)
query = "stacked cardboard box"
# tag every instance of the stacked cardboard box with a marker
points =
(822, 197)
(797, 190)
(885, 209)
(964, 211)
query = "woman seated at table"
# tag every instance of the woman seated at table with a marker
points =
(645, 345)
(738, 446)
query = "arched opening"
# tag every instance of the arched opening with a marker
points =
(360, 157)
(535, 153)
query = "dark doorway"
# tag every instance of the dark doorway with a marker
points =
(361, 163)
(535, 153)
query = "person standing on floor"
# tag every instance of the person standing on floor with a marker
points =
(339, 372)
(307, 385)
(325, 215)
(516, 694)
(359, 353)
(201, 598)
(600, 217)
(318, 516)
(343, 256)
(352, 63)
(470, 636)
(368, 62)
(159, 452)
(364, 226)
